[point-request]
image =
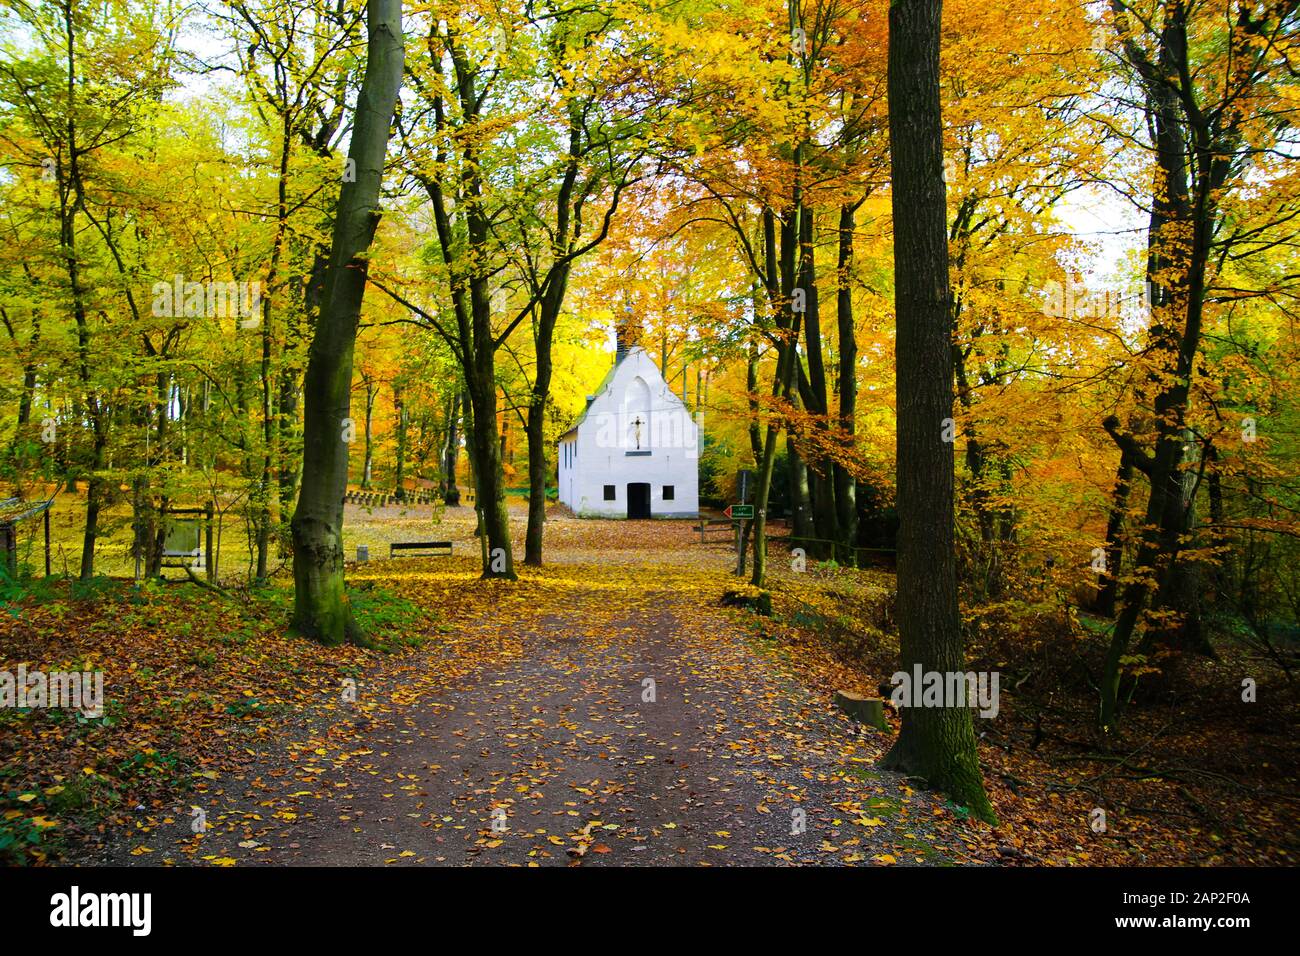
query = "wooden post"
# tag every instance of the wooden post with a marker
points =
(47, 540)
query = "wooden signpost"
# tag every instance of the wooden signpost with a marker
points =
(740, 513)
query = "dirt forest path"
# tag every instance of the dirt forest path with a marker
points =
(573, 720)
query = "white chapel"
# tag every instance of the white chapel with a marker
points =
(634, 451)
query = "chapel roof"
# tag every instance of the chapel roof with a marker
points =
(604, 384)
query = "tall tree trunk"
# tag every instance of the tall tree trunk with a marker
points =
(780, 280)
(27, 396)
(475, 343)
(538, 466)
(751, 390)
(1180, 590)
(568, 227)
(471, 467)
(937, 743)
(368, 464)
(399, 472)
(1183, 215)
(538, 470)
(1221, 572)
(817, 480)
(450, 490)
(489, 477)
(755, 431)
(320, 606)
(1115, 537)
(270, 427)
(1157, 551)
(71, 197)
(801, 519)
(155, 536)
(289, 453)
(846, 510)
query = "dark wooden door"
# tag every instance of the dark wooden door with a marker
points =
(638, 500)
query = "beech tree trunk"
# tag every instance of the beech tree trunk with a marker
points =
(779, 282)
(450, 490)
(543, 336)
(801, 518)
(399, 471)
(367, 466)
(489, 478)
(816, 479)
(320, 606)
(845, 487)
(538, 467)
(1114, 537)
(1195, 157)
(937, 743)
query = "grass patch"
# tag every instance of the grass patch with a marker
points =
(862, 772)
(391, 622)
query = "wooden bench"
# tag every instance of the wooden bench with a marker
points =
(425, 547)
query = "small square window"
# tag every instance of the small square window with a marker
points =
(609, 492)
(668, 492)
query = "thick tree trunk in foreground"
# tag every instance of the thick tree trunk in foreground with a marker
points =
(937, 743)
(320, 606)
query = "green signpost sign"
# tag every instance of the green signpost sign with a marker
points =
(740, 511)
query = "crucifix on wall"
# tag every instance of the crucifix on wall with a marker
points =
(636, 424)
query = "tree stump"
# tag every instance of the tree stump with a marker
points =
(867, 710)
